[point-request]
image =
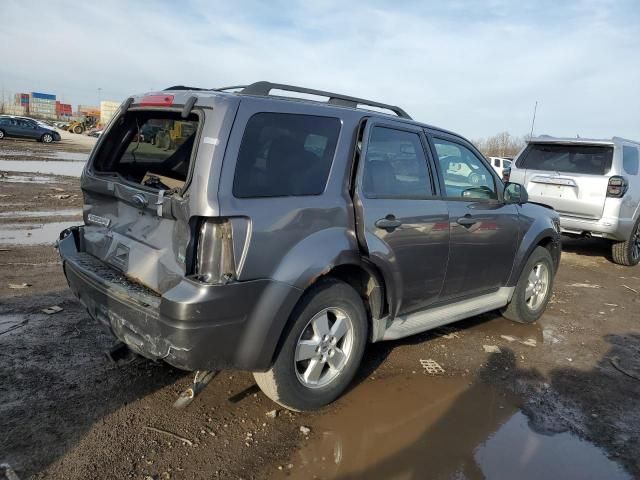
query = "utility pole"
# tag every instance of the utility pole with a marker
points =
(533, 122)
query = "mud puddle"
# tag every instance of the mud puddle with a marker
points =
(57, 155)
(52, 167)
(33, 234)
(69, 212)
(24, 178)
(409, 427)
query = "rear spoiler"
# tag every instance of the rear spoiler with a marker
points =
(188, 106)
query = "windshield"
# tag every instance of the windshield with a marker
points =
(588, 159)
(152, 148)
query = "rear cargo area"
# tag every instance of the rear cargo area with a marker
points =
(134, 209)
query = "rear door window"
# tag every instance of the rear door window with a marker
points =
(285, 154)
(630, 159)
(588, 159)
(395, 166)
(153, 148)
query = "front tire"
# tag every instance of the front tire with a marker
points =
(627, 253)
(533, 290)
(78, 129)
(1, 135)
(47, 138)
(322, 348)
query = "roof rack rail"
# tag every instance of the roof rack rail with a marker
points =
(235, 87)
(182, 87)
(264, 88)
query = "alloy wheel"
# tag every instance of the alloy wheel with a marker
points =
(324, 348)
(537, 286)
(47, 138)
(635, 244)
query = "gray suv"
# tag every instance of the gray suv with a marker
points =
(280, 235)
(593, 184)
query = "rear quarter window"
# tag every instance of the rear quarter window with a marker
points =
(586, 159)
(285, 154)
(630, 159)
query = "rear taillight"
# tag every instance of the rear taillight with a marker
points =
(617, 187)
(214, 255)
(159, 100)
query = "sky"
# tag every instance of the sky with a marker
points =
(473, 67)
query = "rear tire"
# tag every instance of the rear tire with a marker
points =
(78, 129)
(628, 252)
(533, 290)
(1, 134)
(322, 348)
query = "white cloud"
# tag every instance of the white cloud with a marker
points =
(475, 69)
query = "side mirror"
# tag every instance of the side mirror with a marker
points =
(515, 193)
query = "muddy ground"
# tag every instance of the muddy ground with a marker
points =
(557, 399)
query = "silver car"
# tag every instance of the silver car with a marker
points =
(593, 184)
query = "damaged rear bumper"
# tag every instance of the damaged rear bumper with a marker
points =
(192, 326)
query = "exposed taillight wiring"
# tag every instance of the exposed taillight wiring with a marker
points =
(215, 262)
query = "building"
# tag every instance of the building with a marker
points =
(107, 111)
(88, 111)
(63, 111)
(42, 105)
(12, 109)
(21, 101)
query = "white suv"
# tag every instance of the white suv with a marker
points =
(499, 164)
(593, 184)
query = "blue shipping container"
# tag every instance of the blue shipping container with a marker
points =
(45, 96)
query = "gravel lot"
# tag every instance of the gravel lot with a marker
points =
(555, 399)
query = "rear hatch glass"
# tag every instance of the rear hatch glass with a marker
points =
(570, 178)
(153, 148)
(587, 159)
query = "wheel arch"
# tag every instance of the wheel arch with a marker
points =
(364, 278)
(547, 238)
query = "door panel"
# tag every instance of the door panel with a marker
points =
(484, 230)
(484, 237)
(401, 223)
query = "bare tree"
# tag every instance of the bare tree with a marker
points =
(502, 144)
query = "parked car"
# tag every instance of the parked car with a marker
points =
(148, 133)
(499, 164)
(283, 235)
(593, 184)
(94, 133)
(26, 128)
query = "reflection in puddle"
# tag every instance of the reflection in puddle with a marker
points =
(440, 428)
(69, 212)
(25, 179)
(32, 234)
(53, 167)
(68, 156)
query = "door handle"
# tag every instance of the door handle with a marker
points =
(388, 223)
(466, 221)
